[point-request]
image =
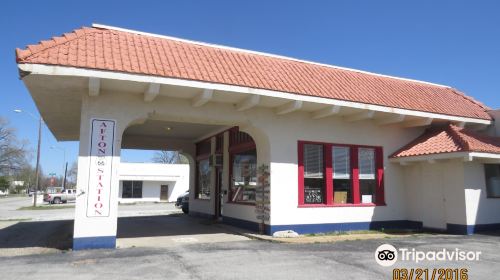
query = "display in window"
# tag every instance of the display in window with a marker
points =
(244, 176)
(204, 179)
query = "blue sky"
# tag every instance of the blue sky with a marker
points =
(455, 43)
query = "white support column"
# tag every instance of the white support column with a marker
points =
(94, 86)
(98, 183)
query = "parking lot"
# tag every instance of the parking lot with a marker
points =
(175, 246)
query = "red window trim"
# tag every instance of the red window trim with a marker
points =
(327, 157)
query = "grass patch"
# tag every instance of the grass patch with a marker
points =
(47, 207)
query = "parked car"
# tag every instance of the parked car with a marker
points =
(183, 202)
(178, 202)
(60, 197)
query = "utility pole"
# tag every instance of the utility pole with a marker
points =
(65, 172)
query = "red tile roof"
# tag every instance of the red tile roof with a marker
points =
(126, 51)
(449, 139)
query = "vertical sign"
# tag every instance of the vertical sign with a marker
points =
(100, 168)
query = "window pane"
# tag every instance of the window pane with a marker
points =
(204, 179)
(492, 173)
(244, 175)
(341, 163)
(342, 191)
(127, 189)
(366, 157)
(367, 191)
(314, 183)
(137, 189)
(313, 161)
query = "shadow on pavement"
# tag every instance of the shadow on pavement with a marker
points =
(47, 234)
(59, 234)
(175, 224)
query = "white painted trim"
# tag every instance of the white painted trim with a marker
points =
(40, 69)
(151, 92)
(102, 26)
(485, 155)
(431, 157)
(466, 156)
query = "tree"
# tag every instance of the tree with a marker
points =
(4, 183)
(13, 153)
(169, 157)
(72, 175)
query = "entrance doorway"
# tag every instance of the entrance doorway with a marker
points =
(218, 193)
(164, 192)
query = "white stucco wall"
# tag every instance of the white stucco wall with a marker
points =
(153, 175)
(435, 193)
(286, 131)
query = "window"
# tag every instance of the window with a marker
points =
(243, 167)
(204, 174)
(339, 174)
(244, 176)
(313, 174)
(492, 173)
(367, 183)
(132, 189)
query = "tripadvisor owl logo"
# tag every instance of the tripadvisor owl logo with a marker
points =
(386, 255)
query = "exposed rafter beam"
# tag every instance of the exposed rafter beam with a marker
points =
(151, 92)
(289, 107)
(360, 116)
(326, 112)
(203, 98)
(391, 120)
(94, 86)
(248, 103)
(419, 122)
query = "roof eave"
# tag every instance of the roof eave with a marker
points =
(56, 70)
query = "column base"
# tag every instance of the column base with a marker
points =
(94, 242)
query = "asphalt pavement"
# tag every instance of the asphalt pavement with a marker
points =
(252, 260)
(175, 246)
